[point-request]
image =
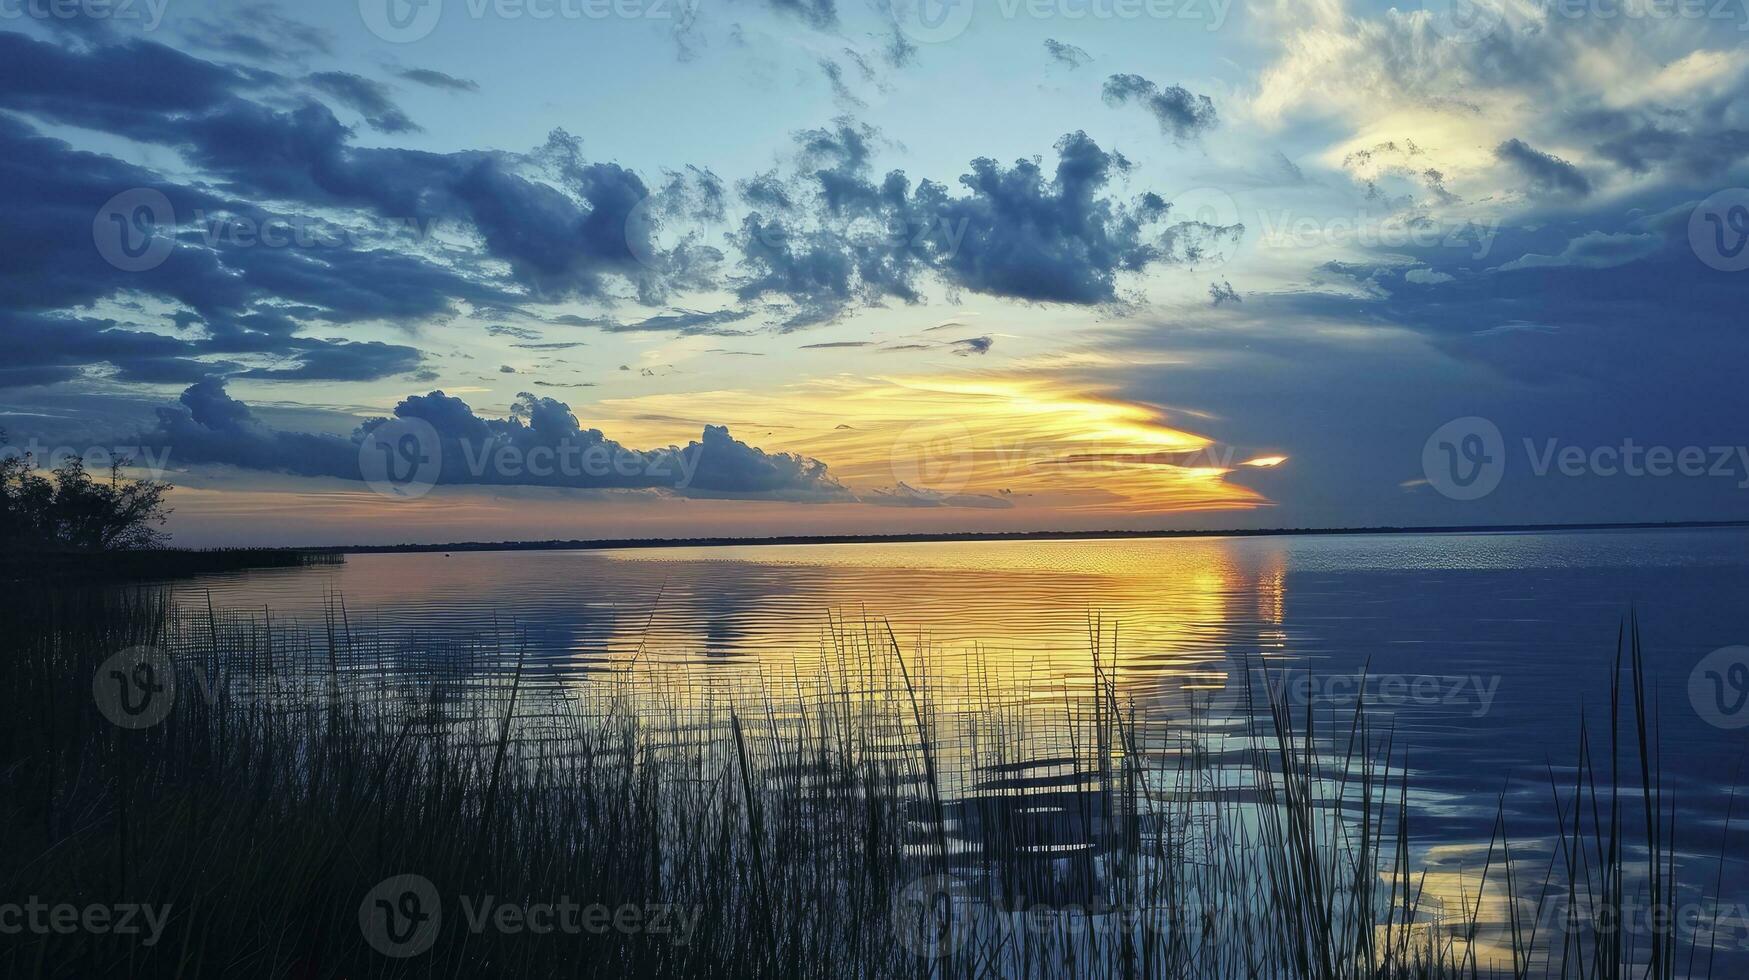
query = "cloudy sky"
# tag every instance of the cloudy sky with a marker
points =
(491, 269)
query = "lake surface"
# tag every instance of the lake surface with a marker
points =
(1480, 650)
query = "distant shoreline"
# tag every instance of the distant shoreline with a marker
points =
(611, 544)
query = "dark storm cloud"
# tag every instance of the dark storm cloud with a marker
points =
(82, 88)
(558, 220)
(1618, 298)
(1699, 145)
(1543, 172)
(560, 226)
(1020, 231)
(212, 427)
(60, 347)
(368, 97)
(432, 78)
(52, 347)
(1182, 114)
(343, 361)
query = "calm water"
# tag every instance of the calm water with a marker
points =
(1482, 649)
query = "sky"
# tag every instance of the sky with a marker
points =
(443, 270)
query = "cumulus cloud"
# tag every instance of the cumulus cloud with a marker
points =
(839, 235)
(559, 221)
(1182, 114)
(541, 443)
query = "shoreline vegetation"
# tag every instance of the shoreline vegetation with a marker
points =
(69, 526)
(322, 801)
(148, 565)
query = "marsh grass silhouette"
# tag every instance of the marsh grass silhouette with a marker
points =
(849, 825)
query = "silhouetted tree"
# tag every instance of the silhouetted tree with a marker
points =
(68, 510)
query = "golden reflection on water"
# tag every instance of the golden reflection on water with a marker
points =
(1016, 631)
